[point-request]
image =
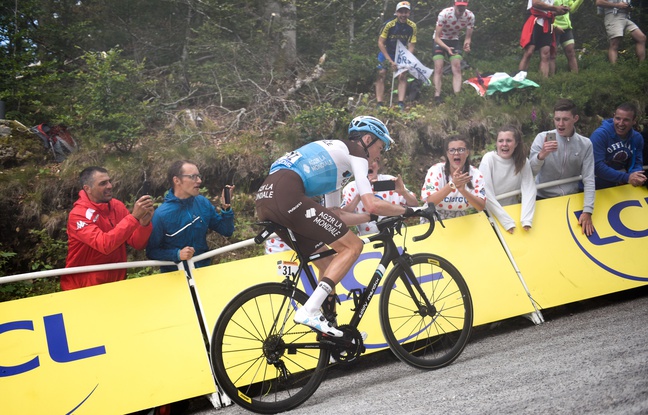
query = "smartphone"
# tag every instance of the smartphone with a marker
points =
(550, 136)
(227, 195)
(145, 189)
(382, 185)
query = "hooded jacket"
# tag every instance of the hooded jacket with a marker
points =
(184, 222)
(615, 158)
(98, 234)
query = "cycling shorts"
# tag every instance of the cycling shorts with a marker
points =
(440, 53)
(566, 38)
(282, 199)
(539, 38)
(383, 63)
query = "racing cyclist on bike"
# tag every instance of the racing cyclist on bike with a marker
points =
(324, 168)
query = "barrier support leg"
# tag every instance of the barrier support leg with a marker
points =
(535, 316)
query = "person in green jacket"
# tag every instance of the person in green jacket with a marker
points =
(565, 35)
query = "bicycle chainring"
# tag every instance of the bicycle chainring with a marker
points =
(349, 347)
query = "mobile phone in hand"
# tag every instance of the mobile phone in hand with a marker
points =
(383, 185)
(551, 136)
(227, 195)
(145, 189)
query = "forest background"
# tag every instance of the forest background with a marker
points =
(232, 85)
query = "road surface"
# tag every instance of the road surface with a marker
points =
(588, 357)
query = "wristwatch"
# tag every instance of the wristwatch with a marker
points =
(452, 186)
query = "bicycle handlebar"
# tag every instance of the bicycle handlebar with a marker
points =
(428, 213)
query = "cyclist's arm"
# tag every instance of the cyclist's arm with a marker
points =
(351, 218)
(376, 206)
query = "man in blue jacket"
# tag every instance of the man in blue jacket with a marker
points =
(180, 224)
(618, 149)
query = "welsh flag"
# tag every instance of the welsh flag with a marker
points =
(499, 81)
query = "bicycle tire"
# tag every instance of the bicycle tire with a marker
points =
(426, 339)
(246, 340)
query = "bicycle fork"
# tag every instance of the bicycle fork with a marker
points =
(425, 308)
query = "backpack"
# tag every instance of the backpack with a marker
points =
(57, 139)
(413, 89)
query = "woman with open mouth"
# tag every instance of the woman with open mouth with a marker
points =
(455, 186)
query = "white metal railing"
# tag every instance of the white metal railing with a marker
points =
(209, 254)
(121, 265)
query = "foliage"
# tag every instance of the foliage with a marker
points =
(47, 253)
(111, 101)
(212, 81)
(4, 258)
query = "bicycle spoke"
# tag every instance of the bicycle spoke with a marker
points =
(426, 332)
(259, 353)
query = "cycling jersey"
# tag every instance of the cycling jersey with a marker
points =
(325, 167)
(321, 167)
(452, 25)
(393, 32)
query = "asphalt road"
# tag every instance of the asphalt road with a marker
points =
(589, 357)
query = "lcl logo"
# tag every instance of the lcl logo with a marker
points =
(57, 345)
(621, 232)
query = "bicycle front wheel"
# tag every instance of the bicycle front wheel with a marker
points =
(264, 361)
(422, 336)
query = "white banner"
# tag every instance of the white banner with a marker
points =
(406, 61)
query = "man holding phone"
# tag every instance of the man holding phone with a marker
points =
(385, 187)
(181, 223)
(99, 228)
(562, 154)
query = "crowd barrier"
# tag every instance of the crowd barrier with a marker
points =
(139, 343)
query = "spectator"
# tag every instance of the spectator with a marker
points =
(538, 33)
(446, 43)
(562, 154)
(644, 155)
(399, 29)
(617, 23)
(99, 227)
(454, 186)
(618, 150)
(565, 35)
(505, 170)
(180, 224)
(399, 196)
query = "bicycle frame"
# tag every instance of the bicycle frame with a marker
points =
(390, 254)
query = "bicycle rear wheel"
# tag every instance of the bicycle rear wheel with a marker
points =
(257, 350)
(421, 337)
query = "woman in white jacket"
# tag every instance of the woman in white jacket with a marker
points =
(507, 169)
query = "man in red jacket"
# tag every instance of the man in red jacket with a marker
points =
(99, 227)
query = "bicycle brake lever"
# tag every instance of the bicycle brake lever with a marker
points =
(438, 217)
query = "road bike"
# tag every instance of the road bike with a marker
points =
(267, 363)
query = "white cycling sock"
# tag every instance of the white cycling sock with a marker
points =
(316, 299)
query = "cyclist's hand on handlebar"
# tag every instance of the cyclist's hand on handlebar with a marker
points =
(420, 211)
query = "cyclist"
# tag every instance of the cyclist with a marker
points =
(323, 168)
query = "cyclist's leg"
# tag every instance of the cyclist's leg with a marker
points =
(282, 199)
(348, 248)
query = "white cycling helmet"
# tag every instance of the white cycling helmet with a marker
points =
(372, 125)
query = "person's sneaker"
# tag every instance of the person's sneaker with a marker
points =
(401, 105)
(379, 105)
(317, 322)
(438, 100)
